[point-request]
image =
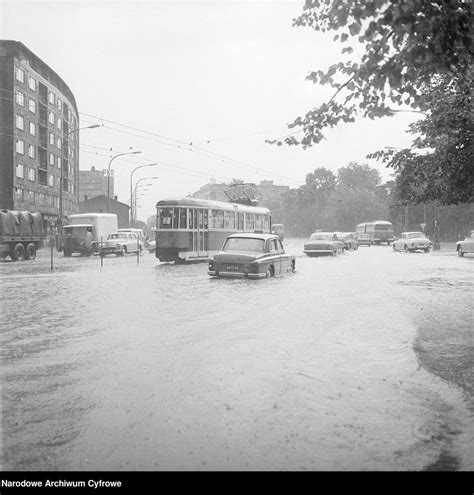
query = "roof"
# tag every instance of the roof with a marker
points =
(207, 203)
(254, 235)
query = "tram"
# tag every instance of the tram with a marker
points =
(191, 229)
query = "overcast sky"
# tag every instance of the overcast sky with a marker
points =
(197, 86)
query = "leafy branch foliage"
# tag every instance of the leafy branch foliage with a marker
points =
(417, 57)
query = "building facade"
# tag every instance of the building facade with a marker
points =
(94, 183)
(39, 142)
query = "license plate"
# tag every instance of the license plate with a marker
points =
(232, 268)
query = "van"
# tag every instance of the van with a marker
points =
(84, 232)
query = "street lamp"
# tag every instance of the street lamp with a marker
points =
(131, 187)
(61, 179)
(108, 173)
(135, 194)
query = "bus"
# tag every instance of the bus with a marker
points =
(379, 231)
(191, 229)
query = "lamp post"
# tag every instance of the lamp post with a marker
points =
(131, 187)
(108, 174)
(61, 179)
(135, 195)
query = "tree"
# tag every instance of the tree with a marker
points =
(322, 181)
(358, 177)
(418, 58)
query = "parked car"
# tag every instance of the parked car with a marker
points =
(466, 246)
(251, 255)
(364, 240)
(348, 239)
(323, 243)
(120, 243)
(138, 232)
(412, 241)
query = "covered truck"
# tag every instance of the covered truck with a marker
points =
(84, 232)
(21, 234)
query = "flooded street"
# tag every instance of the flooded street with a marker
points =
(363, 361)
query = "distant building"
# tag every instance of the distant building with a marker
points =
(38, 120)
(94, 183)
(100, 204)
(268, 192)
(216, 192)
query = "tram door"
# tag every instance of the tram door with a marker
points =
(193, 225)
(203, 232)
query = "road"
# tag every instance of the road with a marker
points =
(361, 361)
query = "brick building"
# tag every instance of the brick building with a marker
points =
(39, 144)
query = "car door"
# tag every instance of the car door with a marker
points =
(284, 258)
(275, 255)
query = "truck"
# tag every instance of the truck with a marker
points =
(84, 232)
(21, 234)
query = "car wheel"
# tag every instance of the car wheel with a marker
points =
(393, 247)
(405, 248)
(123, 251)
(426, 250)
(270, 272)
(293, 266)
(30, 251)
(460, 251)
(334, 253)
(18, 253)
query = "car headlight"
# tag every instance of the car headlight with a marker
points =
(118, 246)
(211, 265)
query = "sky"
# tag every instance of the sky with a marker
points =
(195, 86)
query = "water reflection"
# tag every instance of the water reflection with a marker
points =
(156, 366)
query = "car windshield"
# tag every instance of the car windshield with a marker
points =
(119, 235)
(321, 236)
(244, 244)
(414, 235)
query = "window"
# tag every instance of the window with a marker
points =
(32, 151)
(249, 221)
(32, 105)
(183, 213)
(51, 180)
(20, 122)
(51, 159)
(52, 139)
(59, 123)
(20, 75)
(20, 171)
(31, 174)
(20, 98)
(32, 128)
(58, 162)
(273, 246)
(20, 146)
(58, 143)
(259, 222)
(51, 117)
(60, 103)
(217, 219)
(51, 97)
(229, 220)
(19, 194)
(32, 83)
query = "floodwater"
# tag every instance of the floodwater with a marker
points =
(363, 361)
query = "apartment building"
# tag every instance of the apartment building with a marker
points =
(39, 142)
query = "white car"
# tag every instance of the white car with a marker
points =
(120, 243)
(412, 241)
(466, 246)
